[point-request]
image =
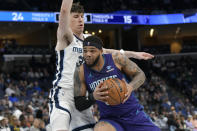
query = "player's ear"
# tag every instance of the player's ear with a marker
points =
(102, 50)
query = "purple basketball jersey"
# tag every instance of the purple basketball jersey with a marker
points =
(109, 70)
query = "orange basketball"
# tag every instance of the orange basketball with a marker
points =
(116, 90)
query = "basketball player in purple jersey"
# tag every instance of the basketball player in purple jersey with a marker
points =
(69, 52)
(128, 116)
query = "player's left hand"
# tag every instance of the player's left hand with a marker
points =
(100, 93)
(128, 94)
(143, 56)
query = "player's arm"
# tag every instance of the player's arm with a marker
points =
(130, 54)
(64, 33)
(81, 101)
(131, 69)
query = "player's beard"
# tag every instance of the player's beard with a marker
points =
(95, 62)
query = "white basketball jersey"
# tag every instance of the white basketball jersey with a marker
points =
(66, 61)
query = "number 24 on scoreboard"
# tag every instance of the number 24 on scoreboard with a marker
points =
(17, 16)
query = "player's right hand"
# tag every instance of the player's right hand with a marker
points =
(100, 93)
(143, 55)
(129, 91)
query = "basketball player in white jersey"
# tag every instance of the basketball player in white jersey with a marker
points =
(63, 115)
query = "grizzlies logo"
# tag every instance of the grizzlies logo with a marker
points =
(80, 61)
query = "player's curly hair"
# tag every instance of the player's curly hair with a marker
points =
(77, 8)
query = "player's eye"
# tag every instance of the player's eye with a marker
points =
(92, 51)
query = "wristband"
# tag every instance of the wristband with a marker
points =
(122, 51)
(91, 97)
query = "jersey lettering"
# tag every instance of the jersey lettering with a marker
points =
(76, 49)
(94, 84)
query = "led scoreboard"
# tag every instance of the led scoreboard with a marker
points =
(95, 18)
(27, 16)
(115, 19)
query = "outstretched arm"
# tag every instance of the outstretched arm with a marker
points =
(64, 32)
(131, 54)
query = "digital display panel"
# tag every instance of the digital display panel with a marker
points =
(95, 18)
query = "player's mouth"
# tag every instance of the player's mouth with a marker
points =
(81, 25)
(88, 60)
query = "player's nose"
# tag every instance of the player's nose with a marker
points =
(88, 54)
(80, 19)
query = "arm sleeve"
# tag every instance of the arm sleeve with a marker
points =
(83, 102)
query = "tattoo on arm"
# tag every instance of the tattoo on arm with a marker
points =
(137, 81)
(131, 69)
(109, 51)
(101, 124)
(120, 59)
(77, 82)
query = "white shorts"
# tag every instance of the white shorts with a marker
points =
(61, 104)
(64, 115)
(82, 121)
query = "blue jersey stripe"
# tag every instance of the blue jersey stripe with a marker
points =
(51, 102)
(61, 67)
(57, 102)
(56, 64)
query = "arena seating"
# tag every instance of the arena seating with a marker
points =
(166, 95)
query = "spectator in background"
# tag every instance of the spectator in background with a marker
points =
(189, 123)
(30, 120)
(194, 122)
(13, 98)
(36, 125)
(4, 125)
(15, 123)
(2, 87)
(23, 121)
(37, 87)
(9, 90)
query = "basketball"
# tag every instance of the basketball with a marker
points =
(116, 90)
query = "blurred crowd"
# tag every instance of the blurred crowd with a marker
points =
(176, 96)
(180, 74)
(138, 6)
(24, 96)
(167, 108)
(168, 96)
(166, 49)
(10, 46)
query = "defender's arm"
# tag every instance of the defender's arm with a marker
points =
(64, 32)
(130, 54)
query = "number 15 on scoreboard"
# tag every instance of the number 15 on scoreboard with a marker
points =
(127, 19)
